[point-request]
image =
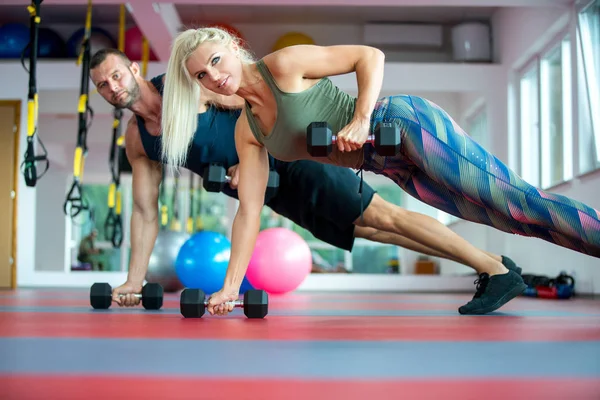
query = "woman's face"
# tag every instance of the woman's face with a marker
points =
(216, 67)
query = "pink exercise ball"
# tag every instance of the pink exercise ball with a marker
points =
(280, 262)
(133, 45)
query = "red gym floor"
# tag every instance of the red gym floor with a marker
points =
(310, 346)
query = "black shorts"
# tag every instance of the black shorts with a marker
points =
(321, 198)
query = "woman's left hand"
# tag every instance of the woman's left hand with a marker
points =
(354, 135)
(221, 302)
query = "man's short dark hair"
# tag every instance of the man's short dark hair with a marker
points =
(99, 57)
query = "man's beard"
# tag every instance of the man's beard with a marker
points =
(133, 94)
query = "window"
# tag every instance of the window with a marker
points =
(530, 126)
(556, 123)
(105, 257)
(210, 211)
(370, 257)
(588, 60)
(546, 117)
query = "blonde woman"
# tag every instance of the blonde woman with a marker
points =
(438, 163)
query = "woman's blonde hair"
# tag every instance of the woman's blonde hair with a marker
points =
(181, 96)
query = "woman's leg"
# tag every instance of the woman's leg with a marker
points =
(436, 146)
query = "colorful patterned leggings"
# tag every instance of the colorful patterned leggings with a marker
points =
(440, 165)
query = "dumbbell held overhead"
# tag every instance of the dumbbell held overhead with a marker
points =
(152, 296)
(193, 303)
(320, 139)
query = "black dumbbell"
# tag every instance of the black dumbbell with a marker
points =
(320, 139)
(152, 296)
(193, 303)
(215, 177)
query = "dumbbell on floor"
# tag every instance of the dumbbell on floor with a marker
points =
(215, 177)
(193, 303)
(320, 139)
(152, 296)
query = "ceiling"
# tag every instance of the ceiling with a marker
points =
(63, 14)
(190, 13)
(196, 14)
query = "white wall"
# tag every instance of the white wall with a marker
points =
(453, 86)
(518, 34)
(59, 81)
(15, 87)
(50, 220)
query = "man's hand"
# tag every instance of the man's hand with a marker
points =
(127, 290)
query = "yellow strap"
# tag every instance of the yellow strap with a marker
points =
(88, 16)
(77, 162)
(82, 167)
(145, 56)
(32, 115)
(118, 208)
(81, 107)
(175, 225)
(164, 216)
(122, 28)
(88, 28)
(111, 195)
(190, 225)
(121, 140)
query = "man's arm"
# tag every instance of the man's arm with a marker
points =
(146, 178)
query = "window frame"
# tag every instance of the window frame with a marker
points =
(535, 62)
(581, 7)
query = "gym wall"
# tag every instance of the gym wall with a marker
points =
(517, 34)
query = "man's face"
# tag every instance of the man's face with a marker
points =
(116, 81)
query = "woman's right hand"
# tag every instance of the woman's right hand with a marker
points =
(124, 294)
(233, 172)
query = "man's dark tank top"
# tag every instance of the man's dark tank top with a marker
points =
(214, 140)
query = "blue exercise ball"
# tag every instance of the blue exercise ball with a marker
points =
(99, 39)
(14, 38)
(51, 44)
(202, 262)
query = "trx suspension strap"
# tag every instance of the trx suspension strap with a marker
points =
(30, 159)
(77, 201)
(175, 223)
(113, 225)
(190, 220)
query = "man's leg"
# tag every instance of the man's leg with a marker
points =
(424, 229)
(497, 285)
(311, 194)
(376, 235)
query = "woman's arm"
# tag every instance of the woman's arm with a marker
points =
(316, 62)
(253, 176)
